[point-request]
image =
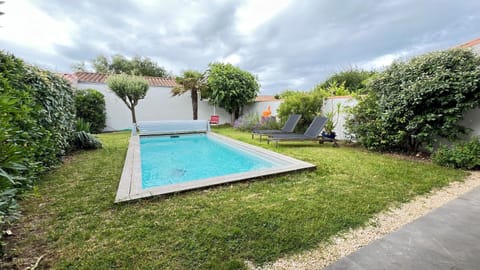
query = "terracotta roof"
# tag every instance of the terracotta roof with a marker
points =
(339, 97)
(265, 98)
(470, 44)
(70, 78)
(100, 78)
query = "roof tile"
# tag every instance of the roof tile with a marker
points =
(101, 78)
(265, 98)
(470, 44)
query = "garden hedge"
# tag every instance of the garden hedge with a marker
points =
(412, 104)
(90, 106)
(36, 125)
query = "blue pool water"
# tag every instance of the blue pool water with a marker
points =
(166, 160)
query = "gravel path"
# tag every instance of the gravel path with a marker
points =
(381, 225)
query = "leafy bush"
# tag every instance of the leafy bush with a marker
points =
(36, 124)
(85, 140)
(82, 125)
(14, 160)
(307, 104)
(82, 139)
(335, 89)
(464, 155)
(353, 79)
(410, 105)
(247, 122)
(90, 106)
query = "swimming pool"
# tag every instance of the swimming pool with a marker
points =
(157, 165)
(168, 160)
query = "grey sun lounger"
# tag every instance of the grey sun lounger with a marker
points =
(312, 133)
(288, 128)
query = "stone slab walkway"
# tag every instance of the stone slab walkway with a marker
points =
(446, 238)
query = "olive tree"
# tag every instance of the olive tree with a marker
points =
(130, 89)
(230, 87)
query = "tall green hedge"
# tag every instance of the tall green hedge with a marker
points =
(36, 125)
(90, 106)
(412, 104)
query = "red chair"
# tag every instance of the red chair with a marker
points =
(214, 119)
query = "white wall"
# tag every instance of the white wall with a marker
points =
(157, 105)
(345, 103)
(259, 107)
(160, 105)
(472, 120)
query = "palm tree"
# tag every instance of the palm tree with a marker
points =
(190, 81)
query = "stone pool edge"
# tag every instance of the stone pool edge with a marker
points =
(130, 186)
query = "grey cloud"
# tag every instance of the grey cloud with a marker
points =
(298, 48)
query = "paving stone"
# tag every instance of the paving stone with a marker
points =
(447, 238)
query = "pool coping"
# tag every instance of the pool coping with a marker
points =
(130, 186)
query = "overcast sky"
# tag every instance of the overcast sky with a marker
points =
(287, 44)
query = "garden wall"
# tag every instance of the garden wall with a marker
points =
(160, 105)
(329, 105)
(345, 103)
(471, 119)
(259, 107)
(157, 105)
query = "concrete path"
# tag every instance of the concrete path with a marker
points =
(446, 238)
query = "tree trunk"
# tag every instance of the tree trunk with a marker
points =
(134, 117)
(194, 95)
(232, 118)
(235, 114)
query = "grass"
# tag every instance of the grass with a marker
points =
(70, 215)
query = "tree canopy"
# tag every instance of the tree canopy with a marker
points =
(352, 79)
(130, 89)
(190, 81)
(230, 87)
(117, 64)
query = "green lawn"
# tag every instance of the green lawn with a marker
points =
(70, 215)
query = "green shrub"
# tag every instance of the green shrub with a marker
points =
(14, 159)
(269, 123)
(335, 89)
(464, 155)
(82, 139)
(410, 105)
(82, 125)
(85, 140)
(90, 106)
(307, 104)
(354, 80)
(36, 125)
